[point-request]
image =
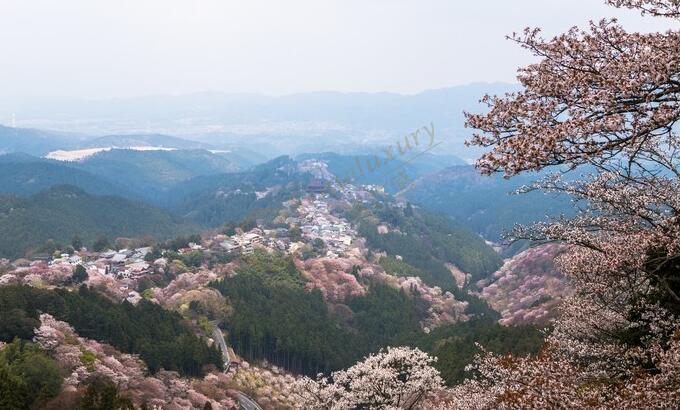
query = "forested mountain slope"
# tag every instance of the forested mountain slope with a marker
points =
(24, 175)
(485, 205)
(425, 241)
(150, 173)
(215, 199)
(62, 212)
(33, 141)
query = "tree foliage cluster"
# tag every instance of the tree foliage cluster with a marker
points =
(605, 98)
(62, 212)
(455, 345)
(213, 200)
(427, 242)
(28, 377)
(160, 337)
(276, 318)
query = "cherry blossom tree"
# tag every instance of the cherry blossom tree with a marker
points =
(527, 289)
(603, 102)
(398, 378)
(332, 276)
(82, 360)
(270, 386)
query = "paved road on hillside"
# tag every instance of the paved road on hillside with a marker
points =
(247, 403)
(219, 339)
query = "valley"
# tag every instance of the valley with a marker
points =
(303, 271)
(340, 205)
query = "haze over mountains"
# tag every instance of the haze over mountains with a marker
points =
(195, 192)
(196, 179)
(314, 228)
(488, 205)
(270, 205)
(63, 211)
(289, 124)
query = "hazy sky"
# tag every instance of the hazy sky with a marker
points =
(105, 49)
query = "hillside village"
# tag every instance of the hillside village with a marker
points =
(311, 215)
(313, 230)
(308, 228)
(250, 206)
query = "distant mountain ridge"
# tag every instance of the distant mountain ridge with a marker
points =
(33, 141)
(365, 109)
(379, 169)
(129, 173)
(150, 173)
(215, 199)
(133, 140)
(23, 174)
(484, 204)
(40, 142)
(275, 125)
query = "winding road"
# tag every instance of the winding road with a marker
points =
(219, 338)
(247, 403)
(244, 401)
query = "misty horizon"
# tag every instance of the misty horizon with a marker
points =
(82, 51)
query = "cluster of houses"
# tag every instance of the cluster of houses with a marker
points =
(318, 223)
(357, 194)
(244, 243)
(324, 181)
(311, 217)
(126, 266)
(315, 221)
(318, 169)
(123, 264)
(122, 267)
(65, 259)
